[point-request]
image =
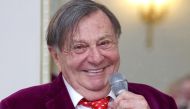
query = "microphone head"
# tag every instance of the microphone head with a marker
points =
(118, 83)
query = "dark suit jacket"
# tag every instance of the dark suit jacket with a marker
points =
(55, 96)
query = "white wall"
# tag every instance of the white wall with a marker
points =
(19, 45)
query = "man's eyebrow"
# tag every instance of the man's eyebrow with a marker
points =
(107, 36)
(78, 41)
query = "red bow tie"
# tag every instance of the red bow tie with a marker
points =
(98, 104)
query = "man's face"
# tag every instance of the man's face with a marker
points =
(94, 54)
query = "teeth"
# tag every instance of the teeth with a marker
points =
(95, 70)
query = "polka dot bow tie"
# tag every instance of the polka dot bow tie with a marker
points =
(98, 104)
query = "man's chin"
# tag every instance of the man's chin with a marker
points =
(97, 87)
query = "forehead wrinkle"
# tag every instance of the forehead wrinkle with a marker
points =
(101, 33)
(78, 39)
(101, 17)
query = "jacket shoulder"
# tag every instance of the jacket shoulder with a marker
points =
(155, 98)
(28, 97)
(144, 89)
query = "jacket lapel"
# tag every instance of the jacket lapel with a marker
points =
(59, 97)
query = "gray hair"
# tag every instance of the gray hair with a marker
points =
(65, 21)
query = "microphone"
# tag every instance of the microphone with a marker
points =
(118, 83)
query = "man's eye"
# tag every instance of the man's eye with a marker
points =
(79, 48)
(106, 44)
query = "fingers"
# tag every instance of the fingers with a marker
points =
(129, 100)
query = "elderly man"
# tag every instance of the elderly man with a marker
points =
(83, 41)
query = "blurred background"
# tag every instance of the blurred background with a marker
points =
(154, 45)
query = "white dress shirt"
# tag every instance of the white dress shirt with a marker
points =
(76, 97)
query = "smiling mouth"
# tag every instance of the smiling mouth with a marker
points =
(94, 70)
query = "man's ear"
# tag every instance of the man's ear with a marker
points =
(55, 55)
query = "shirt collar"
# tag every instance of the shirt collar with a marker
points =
(76, 97)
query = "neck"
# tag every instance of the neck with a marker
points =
(88, 94)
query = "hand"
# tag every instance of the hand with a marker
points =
(129, 100)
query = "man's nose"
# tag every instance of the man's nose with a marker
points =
(95, 57)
